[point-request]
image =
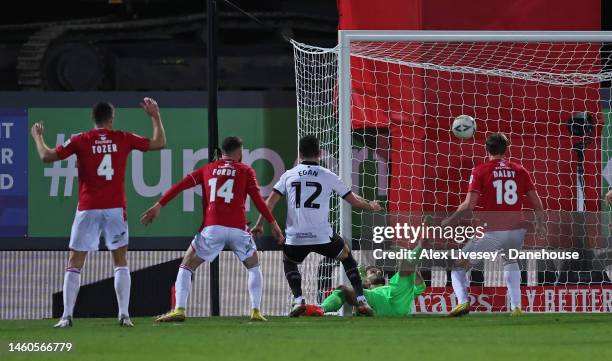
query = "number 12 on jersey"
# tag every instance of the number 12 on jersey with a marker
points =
(310, 201)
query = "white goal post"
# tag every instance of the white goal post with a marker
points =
(402, 88)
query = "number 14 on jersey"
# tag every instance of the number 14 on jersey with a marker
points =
(225, 191)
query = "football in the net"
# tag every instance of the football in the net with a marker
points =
(464, 127)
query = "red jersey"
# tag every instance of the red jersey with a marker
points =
(101, 158)
(502, 186)
(225, 186)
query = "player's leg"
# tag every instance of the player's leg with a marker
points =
(84, 237)
(459, 278)
(460, 284)
(487, 243)
(242, 244)
(336, 299)
(402, 287)
(72, 283)
(292, 257)
(338, 249)
(205, 246)
(512, 277)
(512, 272)
(255, 285)
(116, 237)
(182, 285)
(191, 262)
(123, 284)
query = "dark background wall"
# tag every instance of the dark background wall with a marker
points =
(155, 44)
(78, 45)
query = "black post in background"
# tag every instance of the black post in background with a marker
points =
(213, 131)
(580, 126)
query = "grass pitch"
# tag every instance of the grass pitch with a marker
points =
(475, 337)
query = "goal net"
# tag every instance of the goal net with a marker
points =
(383, 105)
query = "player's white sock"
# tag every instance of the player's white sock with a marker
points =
(459, 280)
(255, 286)
(512, 276)
(298, 300)
(182, 286)
(362, 299)
(72, 282)
(123, 283)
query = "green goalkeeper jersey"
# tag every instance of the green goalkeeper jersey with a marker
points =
(397, 298)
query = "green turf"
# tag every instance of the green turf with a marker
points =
(476, 337)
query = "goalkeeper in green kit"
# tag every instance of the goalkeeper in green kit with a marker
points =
(394, 299)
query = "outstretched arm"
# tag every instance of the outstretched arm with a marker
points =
(188, 182)
(273, 198)
(45, 153)
(262, 207)
(357, 201)
(468, 205)
(406, 267)
(158, 140)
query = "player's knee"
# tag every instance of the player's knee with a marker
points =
(287, 259)
(120, 257)
(344, 254)
(510, 267)
(289, 265)
(189, 253)
(77, 265)
(191, 259)
(510, 263)
(252, 261)
(349, 294)
(343, 289)
(191, 264)
(76, 259)
(120, 262)
(463, 263)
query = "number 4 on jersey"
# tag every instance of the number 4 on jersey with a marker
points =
(105, 169)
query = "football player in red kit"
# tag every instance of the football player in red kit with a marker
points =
(498, 188)
(101, 155)
(225, 186)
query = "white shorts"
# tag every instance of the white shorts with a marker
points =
(88, 225)
(211, 241)
(496, 241)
